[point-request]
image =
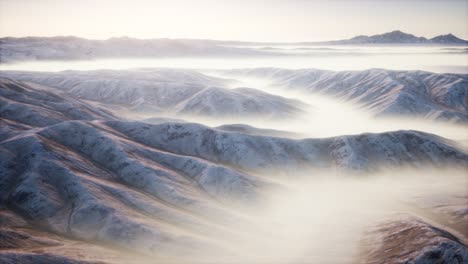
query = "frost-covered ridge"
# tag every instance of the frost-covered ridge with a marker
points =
(385, 92)
(180, 92)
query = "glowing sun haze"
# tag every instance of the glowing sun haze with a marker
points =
(251, 20)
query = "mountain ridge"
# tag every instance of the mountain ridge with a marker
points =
(399, 37)
(384, 92)
(447, 38)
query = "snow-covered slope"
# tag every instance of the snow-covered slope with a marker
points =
(249, 152)
(123, 182)
(239, 102)
(385, 92)
(37, 106)
(88, 182)
(179, 92)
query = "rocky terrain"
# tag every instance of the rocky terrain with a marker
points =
(412, 240)
(79, 184)
(383, 92)
(190, 93)
(176, 92)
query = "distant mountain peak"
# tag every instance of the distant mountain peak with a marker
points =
(397, 32)
(448, 39)
(400, 37)
(395, 36)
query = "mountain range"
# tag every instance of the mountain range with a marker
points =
(79, 184)
(383, 92)
(166, 91)
(399, 37)
(74, 48)
(185, 93)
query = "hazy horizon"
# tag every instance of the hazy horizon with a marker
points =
(258, 21)
(231, 40)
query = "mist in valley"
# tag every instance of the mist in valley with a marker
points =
(290, 153)
(321, 115)
(324, 216)
(440, 59)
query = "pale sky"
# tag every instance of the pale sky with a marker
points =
(250, 20)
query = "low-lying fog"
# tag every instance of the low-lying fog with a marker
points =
(328, 116)
(317, 216)
(321, 216)
(325, 116)
(432, 58)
